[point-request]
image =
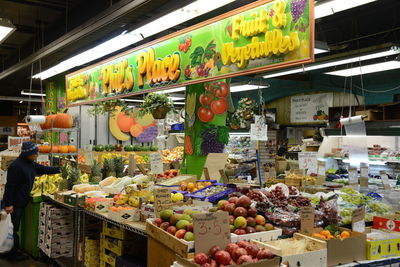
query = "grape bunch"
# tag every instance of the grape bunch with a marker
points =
(210, 142)
(300, 201)
(256, 196)
(277, 197)
(292, 190)
(297, 8)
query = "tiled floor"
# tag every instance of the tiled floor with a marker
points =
(28, 263)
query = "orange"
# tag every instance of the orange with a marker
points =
(345, 234)
(325, 233)
(190, 187)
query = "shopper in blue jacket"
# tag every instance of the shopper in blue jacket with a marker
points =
(20, 177)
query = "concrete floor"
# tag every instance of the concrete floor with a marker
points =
(27, 263)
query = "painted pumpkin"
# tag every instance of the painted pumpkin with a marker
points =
(63, 149)
(72, 149)
(63, 120)
(50, 121)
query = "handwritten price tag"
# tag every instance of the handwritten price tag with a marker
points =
(211, 229)
(307, 219)
(308, 160)
(162, 197)
(358, 220)
(353, 179)
(156, 163)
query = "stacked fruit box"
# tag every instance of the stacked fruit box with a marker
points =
(111, 241)
(56, 233)
(92, 252)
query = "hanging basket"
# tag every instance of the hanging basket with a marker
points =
(160, 112)
(247, 115)
(109, 107)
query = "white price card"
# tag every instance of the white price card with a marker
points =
(88, 151)
(43, 160)
(358, 220)
(385, 180)
(353, 179)
(259, 130)
(156, 163)
(308, 161)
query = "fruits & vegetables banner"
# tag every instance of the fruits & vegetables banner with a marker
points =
(261, 36)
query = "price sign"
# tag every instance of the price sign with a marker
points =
(363, 170)
(353, 179)
(321, 168)
(211, 229)
(364, 181)
(88, 150)
(385, 180)
(162, 198)
(307, 219)
(156, 163)
(358, 220)
(43, 160)
(308, 160)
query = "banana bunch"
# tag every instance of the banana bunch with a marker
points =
(122, 199)
(134, 202)
(84, 179)
(48, 184)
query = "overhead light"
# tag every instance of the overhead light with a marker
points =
(173, 98)
(19, 99)
(335, 6)
(173, 90)
(172, 19)
(378, 67)
(32, 94)
(6, 29)
(320, 47)
(21, 102)
(246, 87)
(323, 65)
(179, 103)
(134, 100)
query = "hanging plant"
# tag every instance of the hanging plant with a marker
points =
(109, 106)
(156, 104)
(247, 108)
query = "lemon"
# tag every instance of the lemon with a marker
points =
(177, 197)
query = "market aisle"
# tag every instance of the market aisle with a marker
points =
(27, 263)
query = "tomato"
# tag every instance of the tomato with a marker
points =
(219, 106)
(203, 99)
(205, 114)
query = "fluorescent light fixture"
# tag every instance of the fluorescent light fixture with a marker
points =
(334, 6)
(134, 100)
(173, 90)
(245, 87)
(172, 19)
(173, 98)
(323, 65)
(378, 67)
(31, 94)
(21, 102)
(179, 103)
(6, 29)
(319, 51)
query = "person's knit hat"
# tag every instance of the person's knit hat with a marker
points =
(28, 148)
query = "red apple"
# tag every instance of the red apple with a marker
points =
(239, 232)
(221, 204)
(157, 222)
(231, 247)
(213, 250)
(260, 220)
(240, 211)
(252, 250)
(164, 226)
(200, 258)
(243, 244)
(244, 202)
(251, 221)
(180, 233)
(222, 257)
(237, 253)
(264, 253)
(189, 228)
(171, 230)
(243, 259)
(252, 212)
(233, 200)
(230, 207)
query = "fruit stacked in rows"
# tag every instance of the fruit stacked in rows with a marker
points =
(168, 174)
(191, 187)
(243, 217)
(332, 232)
(178, 225)
(233, 254)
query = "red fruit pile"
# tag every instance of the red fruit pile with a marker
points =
(213, 101)
(185, 44)
(168, 174)
(243, 218)
(234, 254)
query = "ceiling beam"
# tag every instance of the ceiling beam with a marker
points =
(116, 11)
(38, 4)
(13, 98)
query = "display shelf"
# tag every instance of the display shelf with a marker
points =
(136, 227)
(67, 206)
(60, 130)
(60, 154)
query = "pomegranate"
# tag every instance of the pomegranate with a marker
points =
(243, 259)
(222, 257)
(252, 250)
(200, 258)
(213, 250)
(237, 253)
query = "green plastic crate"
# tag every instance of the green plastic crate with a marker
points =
(29, 230)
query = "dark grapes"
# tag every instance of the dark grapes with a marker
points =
(297, 9)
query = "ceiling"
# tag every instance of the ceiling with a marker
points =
(44, 23)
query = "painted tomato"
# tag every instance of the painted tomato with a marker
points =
(205, 114)
(203, 99)
(224, 89)
(219, 106)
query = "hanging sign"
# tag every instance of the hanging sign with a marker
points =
(310, 108)
(308, 161)
(261, 36)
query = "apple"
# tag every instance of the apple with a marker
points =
(231, 247)
(200, 258)
(250, 230)
(221, 204)
(264, 253)
(260, 220)
(251, 221)
(233, 200)
(243, 244)
(157, 222)
(222, 257)
(252, 250)
(252, 212)
(171, 229)
(240, 211)
(230, 207)
(269, 227)
(238, 252)
(164, 225)
(180, 233)
(243, 259)
(244, 202)
(239, 232)
(240, 222)
(213, 250)
(189, 228)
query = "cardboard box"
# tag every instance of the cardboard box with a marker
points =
(388, 222)
(382, 245)
(125, 216)
(275, 262)
(372, 114)
(347, 250)
(258, 236)
(114, 231)
(128, 261)
(108, 257)
(316, 257)
(117, 246)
